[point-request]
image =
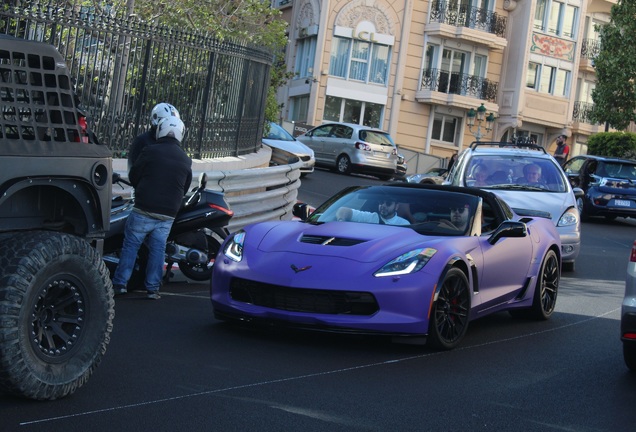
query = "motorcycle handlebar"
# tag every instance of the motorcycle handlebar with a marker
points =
(117, 178)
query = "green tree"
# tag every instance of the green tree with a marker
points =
(613, 144)
(253, 21)
(615, 93)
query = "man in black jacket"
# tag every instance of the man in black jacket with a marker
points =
(161, 175)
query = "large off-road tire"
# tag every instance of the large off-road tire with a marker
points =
(56, 313)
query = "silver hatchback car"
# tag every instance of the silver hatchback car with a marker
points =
(348, 147)
(628, 313)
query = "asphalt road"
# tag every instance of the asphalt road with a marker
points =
(171, 366)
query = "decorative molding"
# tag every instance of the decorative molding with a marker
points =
(365, 10)
(510, 5)
(552, 47)
(308, 14)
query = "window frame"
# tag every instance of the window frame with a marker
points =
(443, 121)
(555, 85)
(305, 54)
(346, 64)
(347, 112)
(554, 16)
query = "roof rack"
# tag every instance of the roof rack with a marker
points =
(516, 142)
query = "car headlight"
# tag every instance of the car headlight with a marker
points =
(234, 247)
(409, 262)
(570, 217)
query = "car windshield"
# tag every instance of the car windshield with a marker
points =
(515, 172)
(622, 170)
(278, 133)
(429, 212)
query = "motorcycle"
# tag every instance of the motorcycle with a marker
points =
(194, 240)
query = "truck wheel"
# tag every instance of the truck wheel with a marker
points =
(56, 313)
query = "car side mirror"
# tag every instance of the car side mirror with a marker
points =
(508, 229)
(578, 192)
(301, 211)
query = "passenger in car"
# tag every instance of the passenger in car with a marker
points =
(480, 175)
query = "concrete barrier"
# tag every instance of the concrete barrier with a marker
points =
(255, 191)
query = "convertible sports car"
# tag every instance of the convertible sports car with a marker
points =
(457, 254)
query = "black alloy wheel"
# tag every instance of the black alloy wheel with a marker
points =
(547, 289)
(449, 317)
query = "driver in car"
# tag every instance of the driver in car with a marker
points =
(531, 175)
(459, 216)
(386, 214)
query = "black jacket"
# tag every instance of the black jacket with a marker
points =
(139, 143)
(161, 175)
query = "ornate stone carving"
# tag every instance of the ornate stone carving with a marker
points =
(366, 10)
(510, 5)
(308, 14)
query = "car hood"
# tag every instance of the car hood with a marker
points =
(349, 240)
(295, 147)
(552, 202)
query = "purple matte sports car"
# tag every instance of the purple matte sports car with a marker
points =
(404, 260)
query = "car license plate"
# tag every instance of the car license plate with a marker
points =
(621, 203)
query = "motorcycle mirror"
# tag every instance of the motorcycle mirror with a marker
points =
(116, 177)
(203, 180)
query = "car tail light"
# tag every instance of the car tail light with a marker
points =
(629, 335)
(363, 146)
(632, 257)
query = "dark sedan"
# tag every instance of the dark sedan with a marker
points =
(609, 185)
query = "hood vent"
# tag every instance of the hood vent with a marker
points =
(330, 241)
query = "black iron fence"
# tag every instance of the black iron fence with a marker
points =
(443, 81)
(123, 66)
(583, 112)
(463, 15)
(590, 48)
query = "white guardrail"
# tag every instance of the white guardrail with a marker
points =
(254, 194)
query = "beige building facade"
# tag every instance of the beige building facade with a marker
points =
(419, 69)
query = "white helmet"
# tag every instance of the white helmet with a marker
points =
(162, 110)
(171, 127)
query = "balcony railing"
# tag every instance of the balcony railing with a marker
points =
(582, 112)
(590, 48)
(466, 16)
(461, 84)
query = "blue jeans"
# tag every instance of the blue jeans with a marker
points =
(154, 232)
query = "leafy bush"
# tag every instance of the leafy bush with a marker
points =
(613, 144)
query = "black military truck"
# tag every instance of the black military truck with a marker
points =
(56, 299)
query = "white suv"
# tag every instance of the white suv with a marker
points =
(348, 147)
(529, 180)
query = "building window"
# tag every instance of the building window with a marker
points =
(299, 108)
(445, 129)
(451, 71)
(548, 79)
(305, 53)
(353, 111)
(556, 17)
(360, 61)
(533, 76)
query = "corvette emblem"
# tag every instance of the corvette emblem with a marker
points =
(298, 270)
